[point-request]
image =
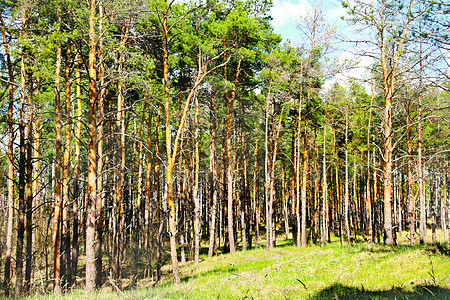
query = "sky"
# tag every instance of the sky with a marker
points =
(286, 15)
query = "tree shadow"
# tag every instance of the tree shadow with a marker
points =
(229, 269)
(339, 291)
(433, 249)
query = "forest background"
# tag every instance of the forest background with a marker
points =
(134, 129)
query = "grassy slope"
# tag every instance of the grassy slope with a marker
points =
(288, 272)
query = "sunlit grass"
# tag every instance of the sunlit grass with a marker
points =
(289, 272)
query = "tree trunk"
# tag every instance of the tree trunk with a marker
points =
(29, 206)
(65, 246)
(170, 158)
(285, 198)
(324, 187)
(10, 179)
(120, 128)
(347, 194)
(56, 236)
(76, 170)
(100, 158)
(22, 167)
(195, 191)
(304, 185)
(91, 270)
(298, 165)
(411, 199)
(255, 194)
(422, 209)
(389, 82)
(213, 177)
(160, 213)
(368, 185)
(267, 172)
(243, 191)
(229, 104)
(138, 212)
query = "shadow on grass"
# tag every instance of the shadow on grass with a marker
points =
(339, 291)
(433, 249)
(221, 270)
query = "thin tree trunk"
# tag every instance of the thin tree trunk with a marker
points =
(91, 270)
(213, 178)
(170, 157)
(298, 164)
(65, 246)
(376, 197)
(255, 194)
(293, 179)
(285, 197)
(422, 209)
(10, 179)
(138, 213)
(347, 194)
(120, 125)
(324, 187)
(195, 191)
(243, 192)
(56, 235)
(229, 104)
(304, 185)
(100, 158)
(29, 206)
(37, 178)
(76, 170)
(272, 232)
(368, 185)
(22, 167)
(267, 168)
(411, 200)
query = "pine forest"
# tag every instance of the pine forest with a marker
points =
(139, 136)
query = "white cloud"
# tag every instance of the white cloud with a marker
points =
(284, 12)
(335, 14)
(358, 71)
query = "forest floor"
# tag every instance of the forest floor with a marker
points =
(336, 271)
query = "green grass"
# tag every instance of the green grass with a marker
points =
(314, 272)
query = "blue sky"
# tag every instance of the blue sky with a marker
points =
(286, 15)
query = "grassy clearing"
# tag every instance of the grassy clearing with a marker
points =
(288, 272)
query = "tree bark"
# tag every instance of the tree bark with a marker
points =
(324, 187)
(304, 185)
(76, 169)
(100, 159)
(411, 199)
(10, 179)
(422, 209)
(213, 178)
(170, 162)
(56, 236)
(229, 105)
(347, 194)
(368, 185)
(65, 243)
(120, 128)
(91, 270)
(29, 205)
(195, 191)
(22, 167)
(389, 84)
